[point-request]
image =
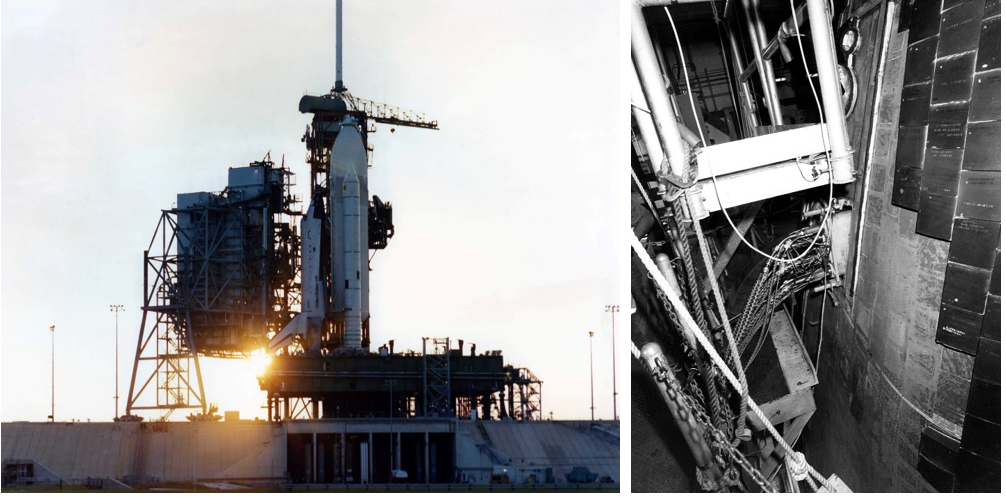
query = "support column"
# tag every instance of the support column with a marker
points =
(426, 457)
(398, 451)
(370, 458)
(314, 457)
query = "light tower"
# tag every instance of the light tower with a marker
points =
(591, 375)
(116, 308)
(614, 386)
(52, 414)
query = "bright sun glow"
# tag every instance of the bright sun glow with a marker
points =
(260, 362)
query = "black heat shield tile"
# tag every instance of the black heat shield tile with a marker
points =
(948, 124)
(992, 320)
(905, 16)
(953, 77)
(989, 45)
(911, 146)
(966, 287)
(920, 61)
(983, 150)
(989, 361)
(994, 287)
(982, 437)
(907, 188)
(936, 216)
(915, 104)
(925, 20)
(992, 8)
(942, 171)
(986, 97)
(977, 474)
(974, 242)
(984, 400)
(960, 27)
(980, 195)
(939, 447)
(941, 479)
(959, 329)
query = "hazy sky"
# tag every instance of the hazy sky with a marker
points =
(505, 220)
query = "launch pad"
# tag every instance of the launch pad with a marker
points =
(231, 274)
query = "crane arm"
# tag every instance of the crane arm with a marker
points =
(389, 114)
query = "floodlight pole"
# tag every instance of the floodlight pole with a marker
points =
(52, 415)
(591, 375)
(614, 386)
(116, 308)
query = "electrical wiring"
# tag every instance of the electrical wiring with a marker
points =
(831, 183)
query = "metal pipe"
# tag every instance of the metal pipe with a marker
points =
(831, 92)
(658, 103)
(786, 31)
(756, 31)
(734, 100)
(748, 110)
(878, 84)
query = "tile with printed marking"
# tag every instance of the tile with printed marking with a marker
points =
(915, 104)
(948, 124)
(942, 171)
(974, 242)
(959, 329)
(960, 27)
(953, 77)
(979, 197)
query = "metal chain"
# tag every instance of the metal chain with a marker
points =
(719, 409)
(721, 442)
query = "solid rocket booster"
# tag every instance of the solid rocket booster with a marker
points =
(349, 235)
(351, 258)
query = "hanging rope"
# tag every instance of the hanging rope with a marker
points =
(686, 320)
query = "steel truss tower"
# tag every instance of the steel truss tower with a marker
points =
(219, 278)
